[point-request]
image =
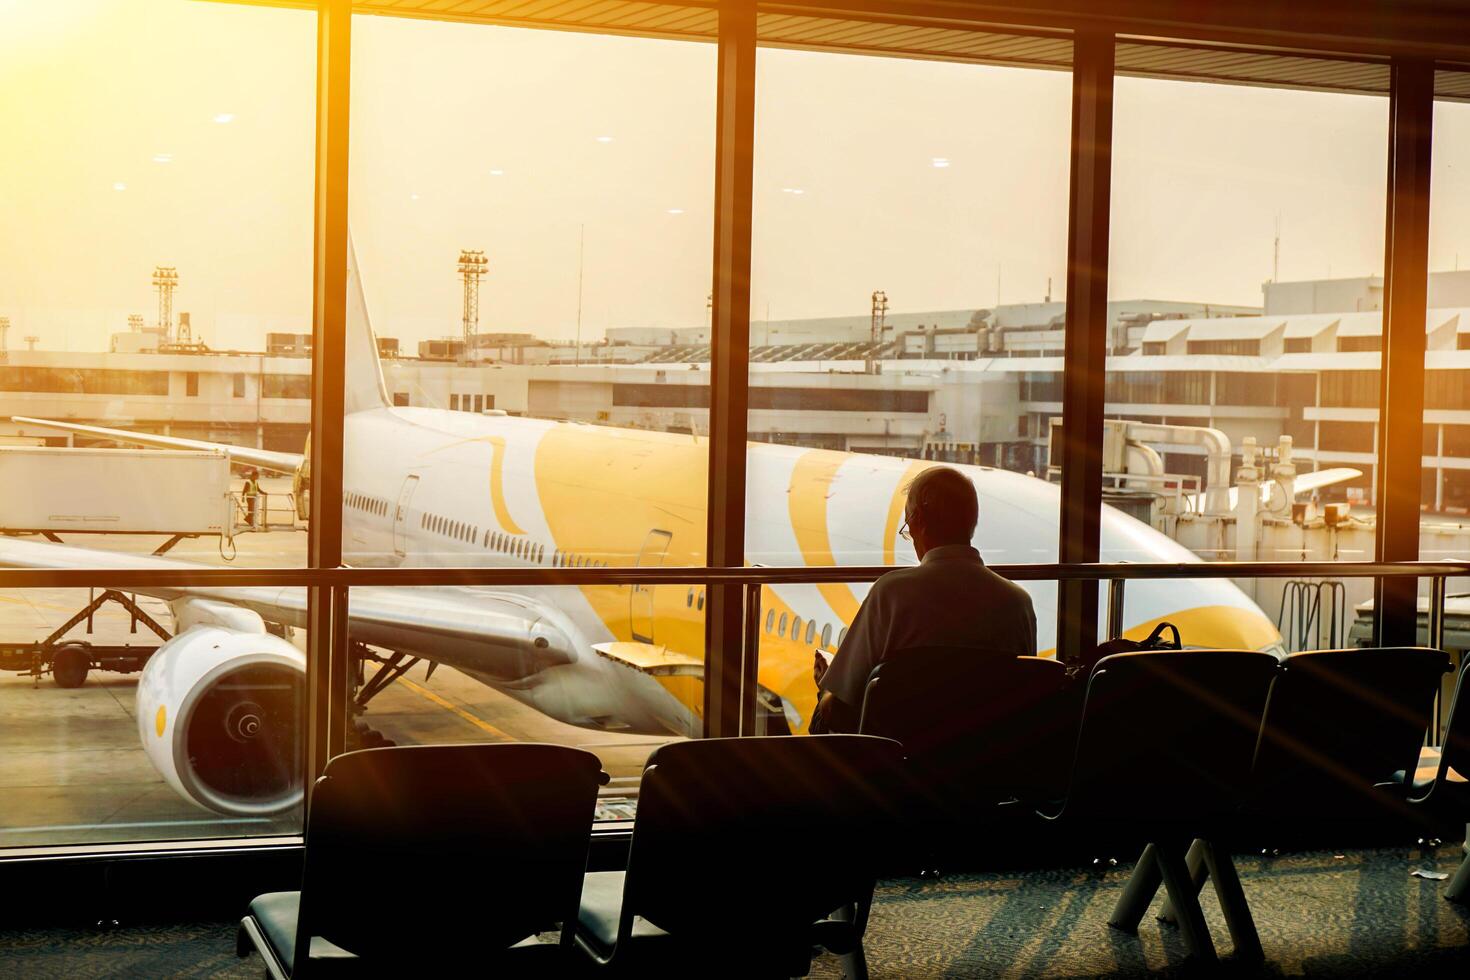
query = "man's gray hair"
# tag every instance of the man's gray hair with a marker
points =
(946, 499)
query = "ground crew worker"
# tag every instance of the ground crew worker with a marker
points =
(252, 497)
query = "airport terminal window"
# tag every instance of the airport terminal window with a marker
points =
(1229, 253)
(1443, 526)
(83, 381)
(1350, 389)
(157, 228)
(589, 196)
(902, 265)
(285, 386)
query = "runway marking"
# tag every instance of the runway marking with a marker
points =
(473, 719)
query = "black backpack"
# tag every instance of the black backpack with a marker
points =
(1156, 640)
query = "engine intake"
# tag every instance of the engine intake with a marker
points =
(220, 714)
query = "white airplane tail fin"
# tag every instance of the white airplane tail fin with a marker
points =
(364, 381)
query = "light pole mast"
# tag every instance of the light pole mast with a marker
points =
(878, 325)
(472, 265)
(166, 280)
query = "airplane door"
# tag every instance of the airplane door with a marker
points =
(640, 597)
(400, 515)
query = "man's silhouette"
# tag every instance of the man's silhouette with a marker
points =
(950, 599)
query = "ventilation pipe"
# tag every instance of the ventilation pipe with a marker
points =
(1217, 454)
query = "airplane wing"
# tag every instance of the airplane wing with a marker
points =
(505, 635)
(264, 458)
(1304, 483)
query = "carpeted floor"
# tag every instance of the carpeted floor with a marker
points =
(1320, 914)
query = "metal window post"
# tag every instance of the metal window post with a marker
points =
(326, 661)
(1086, 337)
(724, 668)
(1401, 392)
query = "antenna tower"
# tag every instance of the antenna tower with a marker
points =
(472, 265)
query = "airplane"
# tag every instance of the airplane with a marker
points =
(217, 705)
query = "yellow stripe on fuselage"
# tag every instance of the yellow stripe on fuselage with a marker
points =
(806, 502)
(895, 510)
(497, 485)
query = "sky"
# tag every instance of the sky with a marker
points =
(180, 133)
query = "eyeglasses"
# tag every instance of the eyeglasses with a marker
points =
(903, 530)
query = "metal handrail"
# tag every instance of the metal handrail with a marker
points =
(212, 577)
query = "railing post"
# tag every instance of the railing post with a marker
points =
(1435, 638)
(1115, 607)
(750, 658)
(1438, 587)
(729, 364)
(1084, 355)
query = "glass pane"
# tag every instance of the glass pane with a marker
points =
(532, 664)
(907, 277)
(114, 733)
(1444, 527)
(1243, 412)
(527, 207)
(155, 309)
(157, 275)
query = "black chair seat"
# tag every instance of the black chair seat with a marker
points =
(602, 904)
(276, 913)
(1428, 771)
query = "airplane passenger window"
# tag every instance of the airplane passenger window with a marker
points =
(770, 619)
(781, 630)
(841, 635)
(811, 630)
(701, 600)
(826, 634)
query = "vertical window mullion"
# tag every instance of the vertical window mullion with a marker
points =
(1084, 354)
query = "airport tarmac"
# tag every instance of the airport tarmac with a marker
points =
(73, 769)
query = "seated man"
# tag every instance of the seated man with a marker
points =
(950, 599)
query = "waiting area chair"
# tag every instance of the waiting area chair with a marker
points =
(746, 854)
(1163, 758)
(978, 728)
(428, 859)
(1441, 788)
(1339, 725)
(1336, 727)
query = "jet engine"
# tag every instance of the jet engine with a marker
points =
(219, 713)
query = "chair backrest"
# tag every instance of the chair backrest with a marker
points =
(1340, 721)
(1455, 753)
(758, 838)
(976, 725)
(462, 847)
(1167, 736)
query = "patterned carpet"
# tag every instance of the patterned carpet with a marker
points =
(1320, 914)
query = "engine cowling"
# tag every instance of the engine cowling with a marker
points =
(219, 714)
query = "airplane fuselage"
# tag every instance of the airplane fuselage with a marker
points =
(427, 487)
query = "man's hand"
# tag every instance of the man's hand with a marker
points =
(820, 663)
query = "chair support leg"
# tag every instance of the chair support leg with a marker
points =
(1233, 903)
(1142, 886)
(854, 964)
(1182, 891)
(1458, 889)
(1195, 861)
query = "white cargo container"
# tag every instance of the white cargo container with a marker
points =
(119, 491)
